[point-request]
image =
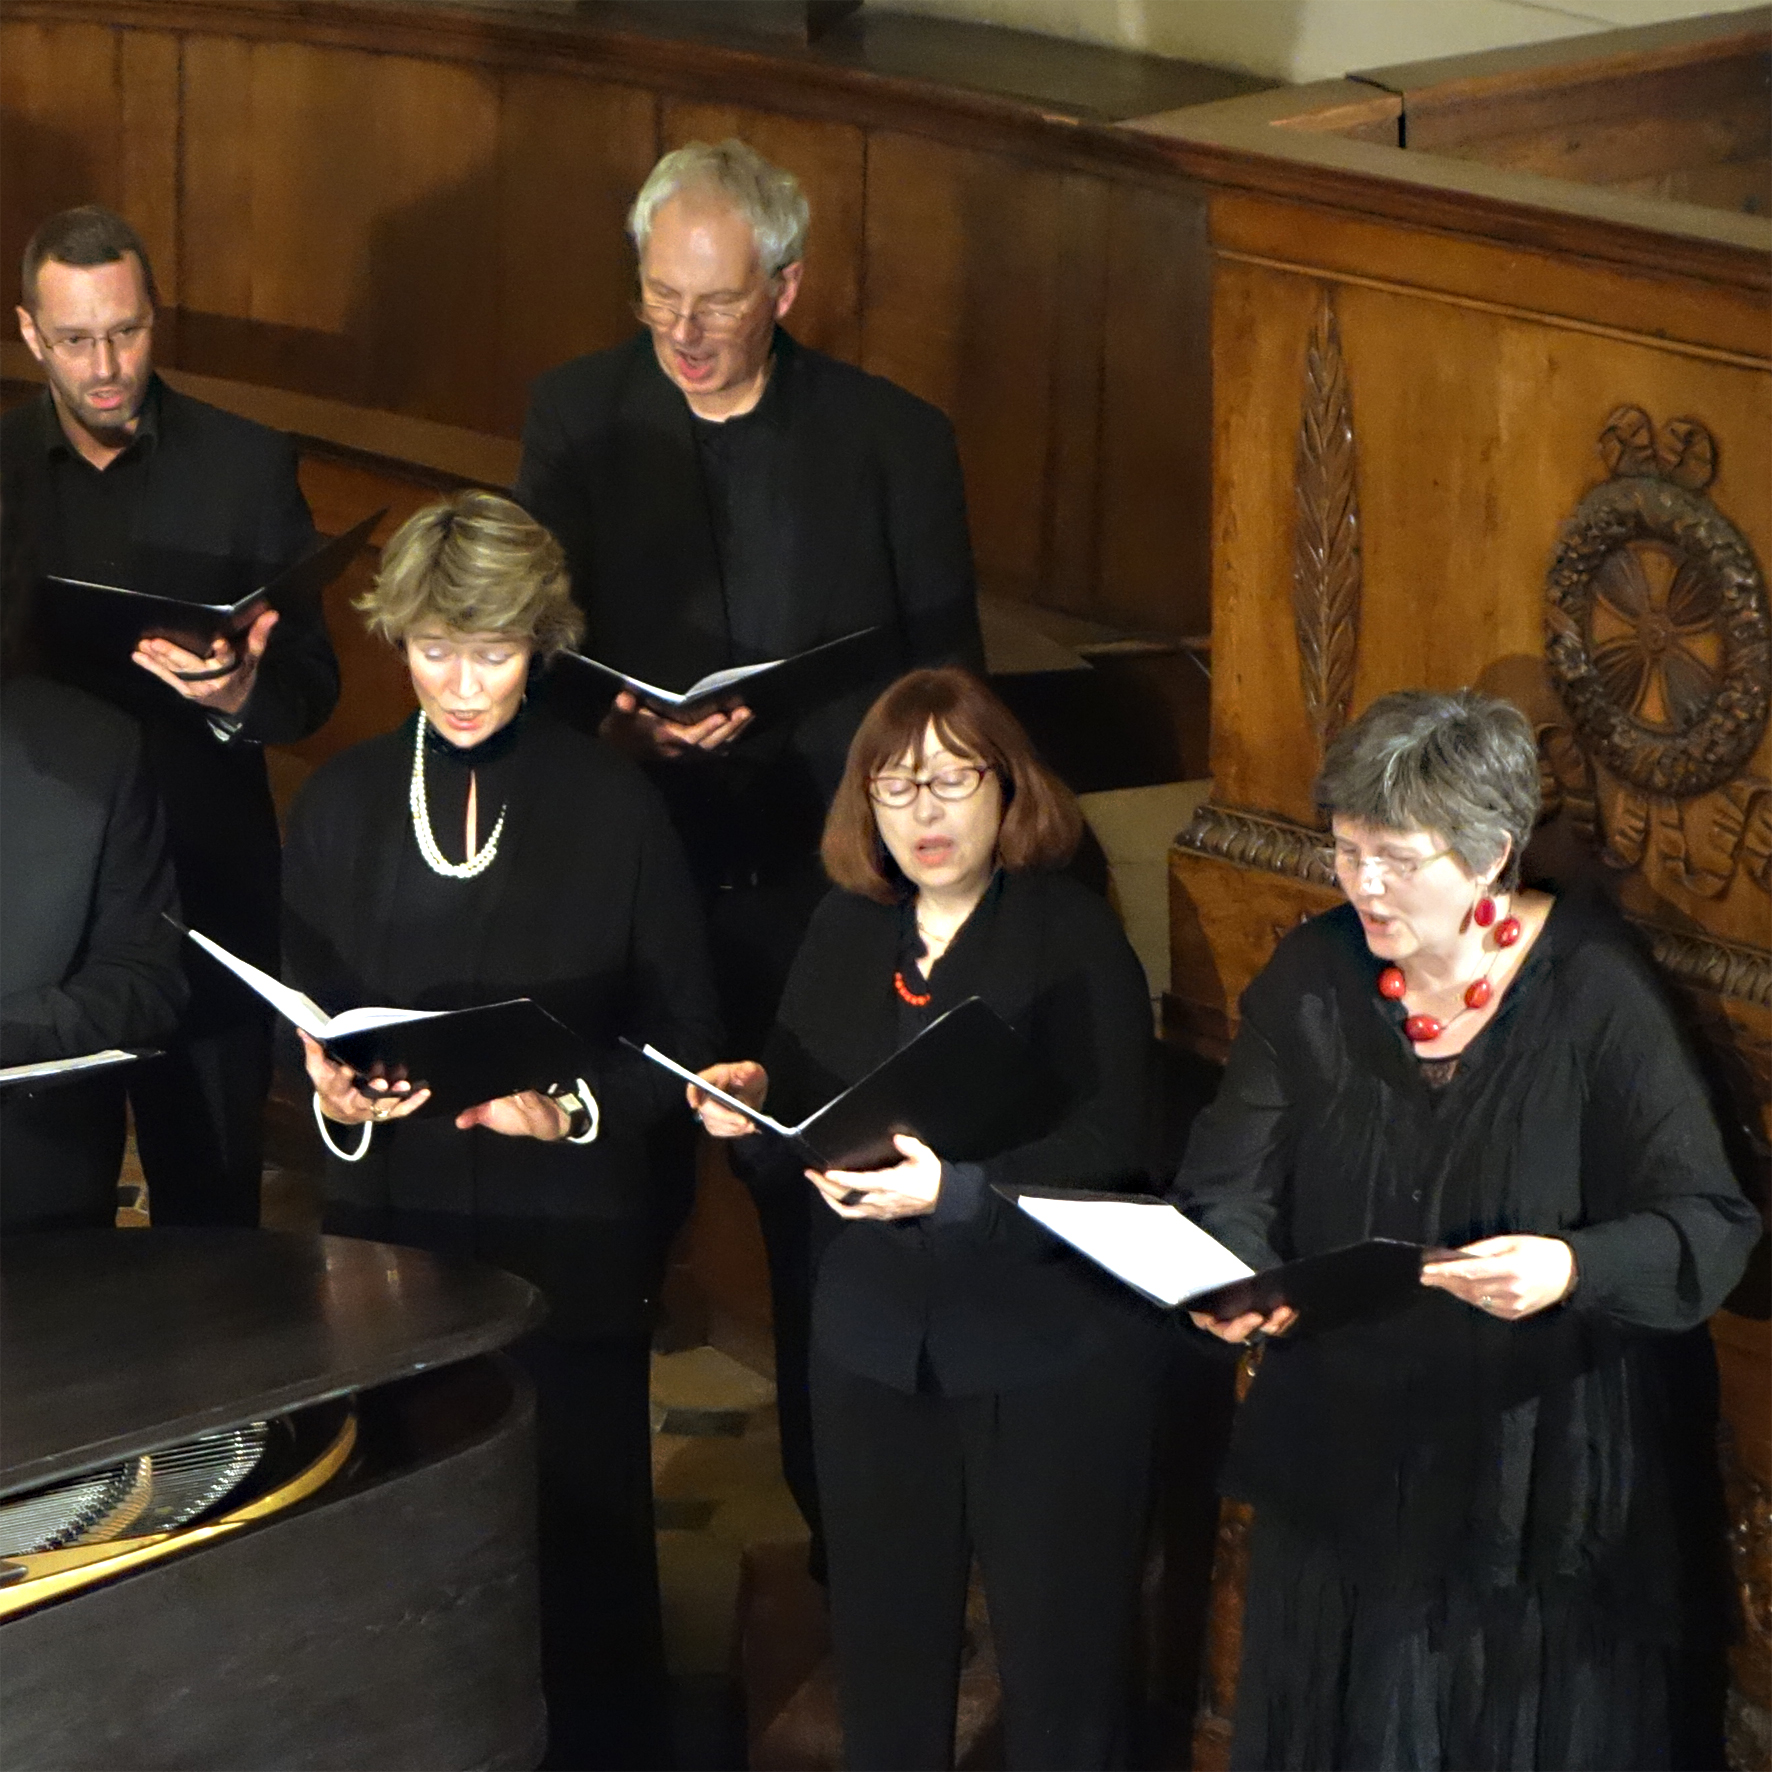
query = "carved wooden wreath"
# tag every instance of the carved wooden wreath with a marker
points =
(1659, 636)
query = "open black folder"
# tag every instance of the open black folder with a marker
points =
(190, 599)
(968, 1086)
(463, 1056)
(1158, 1251)
(776, 684)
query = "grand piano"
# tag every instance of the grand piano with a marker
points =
(265, 1501)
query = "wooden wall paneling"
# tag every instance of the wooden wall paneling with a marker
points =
(60, 128)
(215, 219)
(830, 161)
(1744, 185)
(1714, 316)
(1601, 131)
(1072, 505)
(375, 689)
(571, 154)
(963, 250)
(150, 78)
(1156, 462)
(375, 195)
(344, 250)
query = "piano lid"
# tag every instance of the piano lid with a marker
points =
(115, 1342)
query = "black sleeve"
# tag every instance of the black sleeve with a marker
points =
(672, 1001)
(1234, 1174)
(546, 486)
(1092, 1027)
(932, 546)
(1669, 1231)
(127, 987)
(297, 685)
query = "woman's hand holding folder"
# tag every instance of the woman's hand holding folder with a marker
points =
(907, 1190)
(1247, 1326)
(341, 1098)
(744, 1078)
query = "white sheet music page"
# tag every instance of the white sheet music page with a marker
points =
(1146, 1243)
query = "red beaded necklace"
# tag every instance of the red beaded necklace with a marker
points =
(907, 995)
(1422, 1030)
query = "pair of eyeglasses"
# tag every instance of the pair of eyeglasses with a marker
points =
(712, 319)
(1350, 862)
(81, 347)
(958, 783)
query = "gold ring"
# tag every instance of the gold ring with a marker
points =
(1485, 1301)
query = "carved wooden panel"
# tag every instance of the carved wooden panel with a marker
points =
(1326, 546)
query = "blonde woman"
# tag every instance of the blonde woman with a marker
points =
(482, 850)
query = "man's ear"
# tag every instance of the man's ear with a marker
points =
(788, 277)
(27, 330)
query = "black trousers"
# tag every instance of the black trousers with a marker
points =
(602, 1634)
(200, 1125)
(1048, 1485)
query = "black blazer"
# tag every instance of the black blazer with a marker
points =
(878, 535)
(991, 1298)
(219, 485)
(87, 958)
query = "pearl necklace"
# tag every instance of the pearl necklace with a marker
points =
(421, 825)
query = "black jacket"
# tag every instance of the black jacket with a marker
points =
(588, 908)
(977, 1287)
(87, 959)
(223, 486)
(873, 529)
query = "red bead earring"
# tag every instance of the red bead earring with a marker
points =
(1484, 914)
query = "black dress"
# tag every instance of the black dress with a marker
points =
(976, 1386)
(1479, 1543)
(588, 908)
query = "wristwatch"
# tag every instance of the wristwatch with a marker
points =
(581, 1113)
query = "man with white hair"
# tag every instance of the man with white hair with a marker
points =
(726, 495)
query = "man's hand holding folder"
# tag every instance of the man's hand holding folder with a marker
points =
(640, 732)
(222, 678)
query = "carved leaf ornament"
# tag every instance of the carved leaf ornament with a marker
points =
(1659, 638)
(1326, 543)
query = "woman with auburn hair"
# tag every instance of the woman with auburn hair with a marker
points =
(479, 851)
(975, 1387)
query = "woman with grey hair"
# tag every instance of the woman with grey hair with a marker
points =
(1481, 1521)
(485, 850)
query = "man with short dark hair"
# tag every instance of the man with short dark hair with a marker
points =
(724, 496)
(111, 461)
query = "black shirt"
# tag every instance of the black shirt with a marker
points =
(975, 1294)
(97, 509)
(744, 462)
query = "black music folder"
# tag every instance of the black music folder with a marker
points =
(191, 599)
(968, 1086)
(463, 1056)
(46, 1073)
(775, 685)
(1160, 1252)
